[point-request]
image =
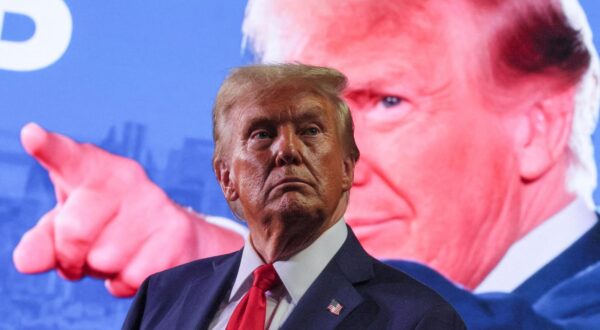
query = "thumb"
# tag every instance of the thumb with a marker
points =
(35, 251)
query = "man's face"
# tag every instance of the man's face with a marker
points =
(437, 180)
(288, 167)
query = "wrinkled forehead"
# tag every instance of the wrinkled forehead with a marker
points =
(336, 23)
(285, 92)
(283, 98)
(283, 102)
(367, 40)
(280, 29)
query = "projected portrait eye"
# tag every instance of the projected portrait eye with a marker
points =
(378, 107)
(389, 101)
(387, 109)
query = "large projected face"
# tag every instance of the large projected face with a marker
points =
(438, 178)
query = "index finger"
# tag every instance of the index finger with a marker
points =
(54, 151)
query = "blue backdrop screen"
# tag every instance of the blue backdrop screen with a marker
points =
(135, 77)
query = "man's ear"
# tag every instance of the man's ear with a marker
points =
(224, 177)
(546, 133)
(348, 171)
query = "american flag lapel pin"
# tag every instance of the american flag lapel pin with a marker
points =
(335, 307)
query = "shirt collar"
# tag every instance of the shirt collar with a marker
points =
(298, 272)
(532, 252)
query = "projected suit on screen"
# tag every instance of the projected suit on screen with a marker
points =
(474, 119)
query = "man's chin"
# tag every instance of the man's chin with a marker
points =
(394, 241)
(301, 212)
(290, 201)
(383, 239)
(295, 207)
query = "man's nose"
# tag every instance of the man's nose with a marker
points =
(287, 150)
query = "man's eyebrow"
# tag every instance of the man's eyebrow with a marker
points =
(311, 114)
(257, 122)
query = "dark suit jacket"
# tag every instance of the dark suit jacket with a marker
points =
(564, 294)
(373, 296)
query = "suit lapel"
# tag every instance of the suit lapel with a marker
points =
(204, 295)
(335, 284)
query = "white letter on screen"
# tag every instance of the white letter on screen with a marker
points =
(53, 28)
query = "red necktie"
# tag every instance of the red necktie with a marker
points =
(250, 312)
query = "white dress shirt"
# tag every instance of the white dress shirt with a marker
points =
(296, 274)
(539, 247)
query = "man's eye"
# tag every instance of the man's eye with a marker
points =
(389, 101)
(312, 131)
(261, 135)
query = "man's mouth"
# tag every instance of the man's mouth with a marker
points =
(290, 183)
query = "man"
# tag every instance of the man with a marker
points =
(284, 157)
(474, 161)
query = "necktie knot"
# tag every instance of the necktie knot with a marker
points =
(265, 277)
(250, 313)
